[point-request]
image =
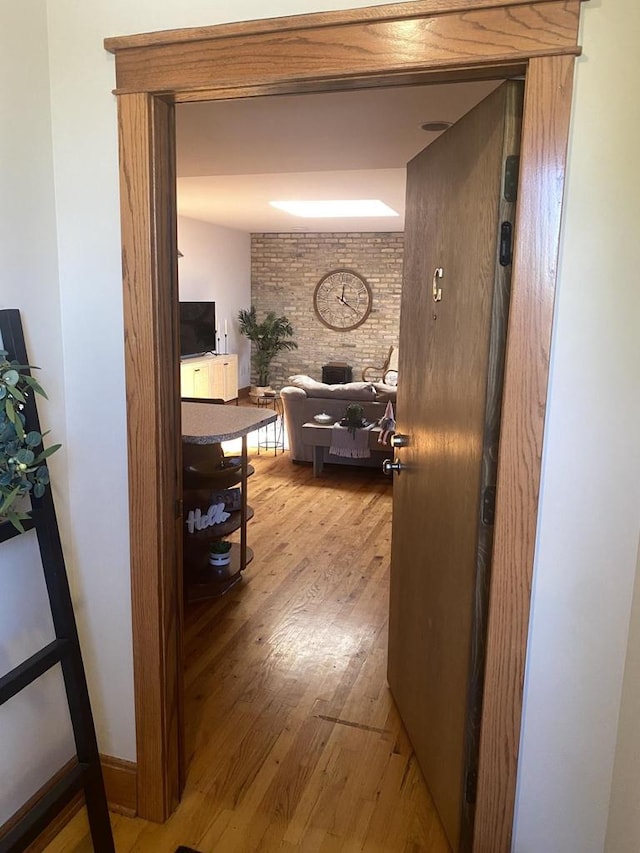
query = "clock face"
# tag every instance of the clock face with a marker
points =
(342, 300)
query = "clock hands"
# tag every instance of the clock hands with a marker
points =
(351, 291)
(344, 302)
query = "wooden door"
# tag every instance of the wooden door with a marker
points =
(186, 380)
(202, 378)
(452, 335)
(195, 378)
(230, 387)
(215, 378)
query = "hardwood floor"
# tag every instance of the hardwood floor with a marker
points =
(293, 739)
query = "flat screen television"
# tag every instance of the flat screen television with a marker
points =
(197, 328)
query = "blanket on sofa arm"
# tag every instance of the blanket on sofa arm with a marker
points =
(350, 444)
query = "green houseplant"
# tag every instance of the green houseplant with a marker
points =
(269, 337)
(353, 417)
(220, 552)
(22, 468)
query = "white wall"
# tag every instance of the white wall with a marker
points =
(588, 528)
(29, 281)
(623, 831)
(216, 265)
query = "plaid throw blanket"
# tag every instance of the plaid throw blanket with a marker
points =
(345, 444)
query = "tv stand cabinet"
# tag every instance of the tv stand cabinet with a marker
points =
(212, 376)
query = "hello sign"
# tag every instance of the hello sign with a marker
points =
(216, 514)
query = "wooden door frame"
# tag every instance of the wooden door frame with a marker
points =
(397, 44)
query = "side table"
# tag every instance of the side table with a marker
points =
(271, 436)
(319, 437)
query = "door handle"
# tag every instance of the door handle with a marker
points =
(390, 467)
(437, 291)
(399, 440)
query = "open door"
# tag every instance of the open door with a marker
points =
(459, 227)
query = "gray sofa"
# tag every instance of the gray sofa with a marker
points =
(304, 397)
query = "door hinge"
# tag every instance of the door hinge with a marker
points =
(511, 171)
(506, 244)
(471, 786)
(488, 505)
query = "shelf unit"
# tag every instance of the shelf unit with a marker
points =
(201, 579)
(204, 426)
(86, 774)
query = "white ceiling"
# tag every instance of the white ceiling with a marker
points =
(233, 157)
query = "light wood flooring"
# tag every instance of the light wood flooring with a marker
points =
(293, 739)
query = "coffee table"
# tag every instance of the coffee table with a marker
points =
(318, 436)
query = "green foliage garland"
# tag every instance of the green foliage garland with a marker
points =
(22, 468)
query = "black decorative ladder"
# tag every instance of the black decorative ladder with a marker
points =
(64, 649)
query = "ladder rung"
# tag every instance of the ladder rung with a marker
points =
(38, 817)
(30, 669)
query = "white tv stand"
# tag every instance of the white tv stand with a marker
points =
(209, 376)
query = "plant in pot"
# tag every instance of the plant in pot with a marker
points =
(22, 468)
(269, 337)
(353, 418)
(220, 553)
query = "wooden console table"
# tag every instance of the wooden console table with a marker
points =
(207, 424)
(318, 436)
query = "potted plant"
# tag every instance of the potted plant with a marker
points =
(220, 553)
(353, 417)
(22, 468)
(269, 337)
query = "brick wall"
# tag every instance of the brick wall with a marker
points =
(285, 269)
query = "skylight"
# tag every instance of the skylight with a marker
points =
(330, 209)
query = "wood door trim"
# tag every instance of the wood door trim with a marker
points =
(146, 180)
(368, 14)
(545, 132)
(149, 265)
(498, 34)
(495, 71)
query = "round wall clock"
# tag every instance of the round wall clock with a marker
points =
(342, 300)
